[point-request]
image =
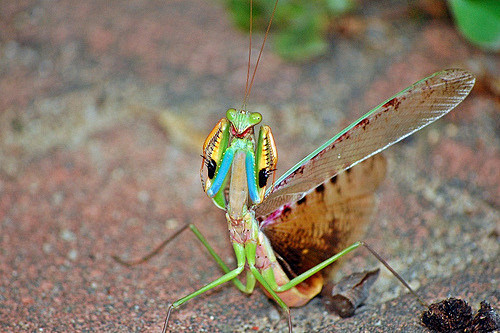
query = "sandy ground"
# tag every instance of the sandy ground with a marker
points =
(87, 169)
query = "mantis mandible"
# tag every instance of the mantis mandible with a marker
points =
(284, 235)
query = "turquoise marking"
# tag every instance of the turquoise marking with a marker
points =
(227, 160)
(252, 184)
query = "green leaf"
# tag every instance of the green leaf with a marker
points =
(478, 21)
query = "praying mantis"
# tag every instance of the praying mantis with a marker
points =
(285, 233)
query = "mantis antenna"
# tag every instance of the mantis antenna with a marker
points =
(248, 87)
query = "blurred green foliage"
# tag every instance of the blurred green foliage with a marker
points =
(479, 21)
(300, 26)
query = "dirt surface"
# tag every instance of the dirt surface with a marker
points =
(87, 169)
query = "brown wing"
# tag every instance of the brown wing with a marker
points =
(327, 219)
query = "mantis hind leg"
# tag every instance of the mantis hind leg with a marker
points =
(225, 278)
(231, 275)
(246, 289)
(275, 296)
(310, 272)
(307, 274)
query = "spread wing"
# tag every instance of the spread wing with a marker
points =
(407, 112)
(327, 219)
